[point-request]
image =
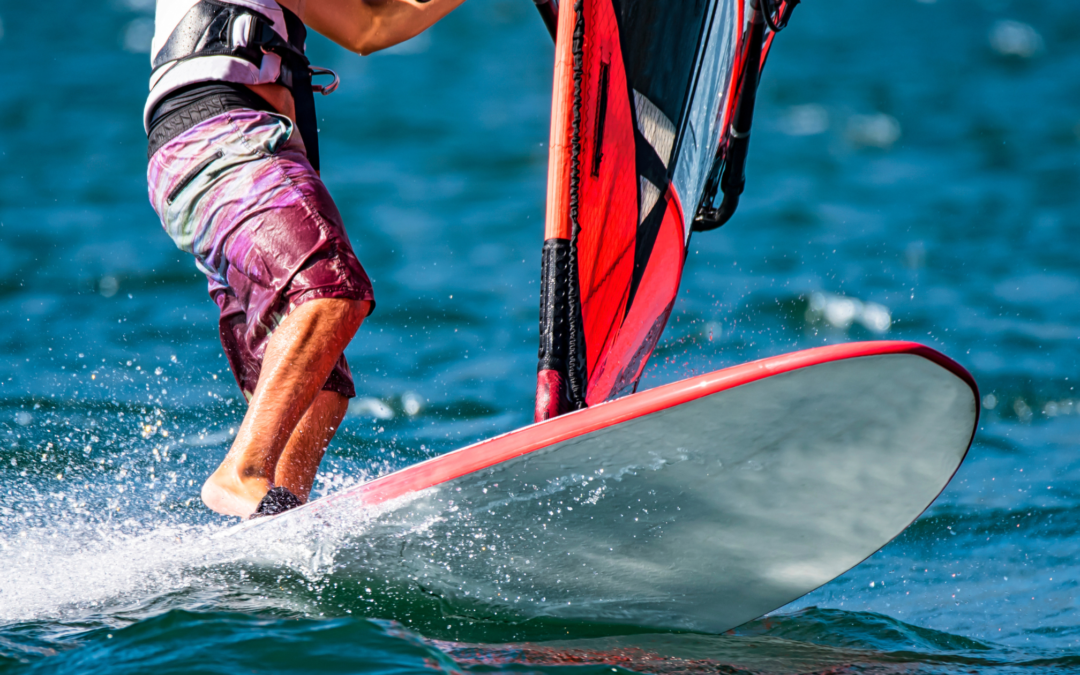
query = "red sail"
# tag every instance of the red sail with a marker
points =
(640, 119)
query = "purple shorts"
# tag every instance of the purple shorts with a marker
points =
(238, 193)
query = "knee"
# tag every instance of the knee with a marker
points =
(357, 312)
(337, 315)
(349, 314)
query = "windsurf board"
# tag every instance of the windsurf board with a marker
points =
(698, 505)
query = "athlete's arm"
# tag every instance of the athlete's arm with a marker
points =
(366, 26)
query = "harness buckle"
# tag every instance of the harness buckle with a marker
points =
(327, 89)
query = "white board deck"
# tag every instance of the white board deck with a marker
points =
(699, 505)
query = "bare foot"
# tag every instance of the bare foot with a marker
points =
(226, 492)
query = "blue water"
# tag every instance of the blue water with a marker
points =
(914, 174)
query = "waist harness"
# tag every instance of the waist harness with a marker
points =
(217, 28)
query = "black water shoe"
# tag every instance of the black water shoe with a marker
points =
(277, 500)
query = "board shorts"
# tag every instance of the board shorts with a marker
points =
(238, 193)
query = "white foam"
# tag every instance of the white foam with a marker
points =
(77, 569)
(875, 131)
(842, 312)
(1014, 38)
(805, 120)
(370, 407)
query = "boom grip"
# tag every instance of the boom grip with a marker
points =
(732, 162)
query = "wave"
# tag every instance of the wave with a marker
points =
(813, 640)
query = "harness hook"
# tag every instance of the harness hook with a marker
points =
(328, 89)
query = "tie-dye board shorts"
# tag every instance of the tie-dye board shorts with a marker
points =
(238, 193)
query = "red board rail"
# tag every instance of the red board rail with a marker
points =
(543, 434)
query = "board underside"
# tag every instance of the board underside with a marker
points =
(700, 516)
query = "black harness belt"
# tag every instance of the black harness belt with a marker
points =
(187, 106)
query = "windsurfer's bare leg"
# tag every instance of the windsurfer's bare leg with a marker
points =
(300, 461)
(272, 244)
(299, 357)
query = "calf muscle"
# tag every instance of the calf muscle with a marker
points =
(299, 357)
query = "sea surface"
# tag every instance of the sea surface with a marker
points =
(914, 174)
